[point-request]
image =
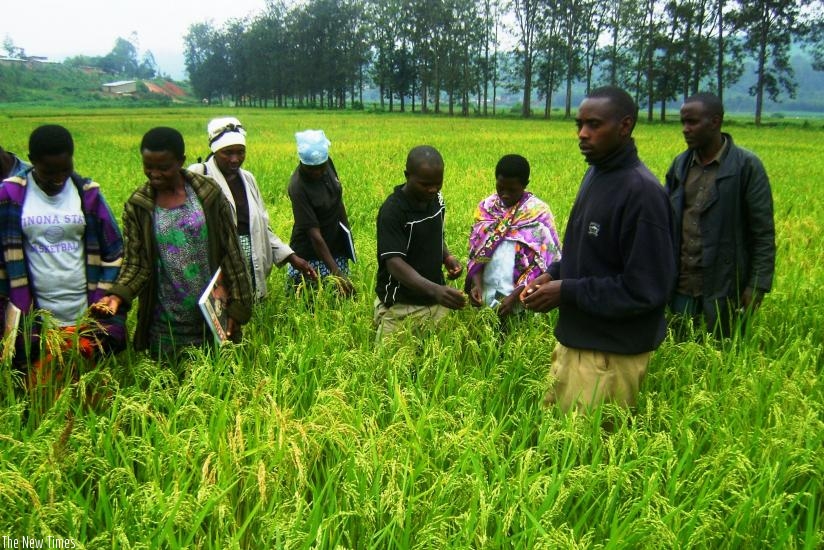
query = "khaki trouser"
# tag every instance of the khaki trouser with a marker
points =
(389, 319)
(583, 379)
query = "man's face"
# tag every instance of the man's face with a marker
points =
(424, 183)
(230, 159)
(699, 127)
(52, 171)
(600, 131)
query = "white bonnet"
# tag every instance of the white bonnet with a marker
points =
(225, 131)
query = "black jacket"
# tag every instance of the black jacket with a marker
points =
(618, 266)
(737, 227)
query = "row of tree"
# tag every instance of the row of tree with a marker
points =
(121, 61)
(325, 52)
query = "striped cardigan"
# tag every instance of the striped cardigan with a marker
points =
(138, 278)
(103, 245)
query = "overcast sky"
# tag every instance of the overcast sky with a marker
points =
(63, 28)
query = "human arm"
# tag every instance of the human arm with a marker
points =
(322, 250)
(507, 305)
(233, 266)
(751, 299)
(307, 223)
(452, 264)
(444, 295)
(283, 253)
(136, 267)
(476, 289)
(631, 273)
(760, 230)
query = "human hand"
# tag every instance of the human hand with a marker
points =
(302, 266)
(231, 326)
(542, 297)
(449, 297)
(453, 267)
(751, 299)
(507, 306)
(106, 306)
(541, 279)
(476, 296)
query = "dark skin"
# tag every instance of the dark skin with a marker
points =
(312, 174)
(50, 172)
(510, 190)
(601, 132)
(164, 172)
(6, 162)
(702, 130)
(423, 182)
(702, 134)
(229, 161)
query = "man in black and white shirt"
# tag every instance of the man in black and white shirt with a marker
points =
(412, 249)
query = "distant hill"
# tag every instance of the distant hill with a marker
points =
(43, 82)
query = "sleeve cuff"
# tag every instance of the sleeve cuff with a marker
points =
(122, 292)
(569, 291)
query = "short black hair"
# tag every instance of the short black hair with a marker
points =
(48, 140)
(513, 166)
(711, 102)
(622, 103)
(164, 138)
(421, 155)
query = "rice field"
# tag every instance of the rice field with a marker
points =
(306, 436)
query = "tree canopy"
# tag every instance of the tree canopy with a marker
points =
(123, 60)
(418, 53)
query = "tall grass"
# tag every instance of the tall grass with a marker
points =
(305, 435)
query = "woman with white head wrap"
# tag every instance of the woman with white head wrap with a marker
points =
(261, 247)
(321, 233)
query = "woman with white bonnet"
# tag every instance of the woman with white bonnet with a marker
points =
(260, 246)
(321, 233)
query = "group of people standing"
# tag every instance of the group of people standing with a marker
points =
(704, 244)
(65, 265)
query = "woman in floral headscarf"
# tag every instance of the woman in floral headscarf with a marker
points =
(513, 239)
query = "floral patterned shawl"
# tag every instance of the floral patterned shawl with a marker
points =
(529, 224)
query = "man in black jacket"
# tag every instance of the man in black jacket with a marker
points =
(724, 228)
(618, 267)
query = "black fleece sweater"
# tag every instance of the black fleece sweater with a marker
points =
(618, 262)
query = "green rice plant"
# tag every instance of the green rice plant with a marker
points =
(307, 435)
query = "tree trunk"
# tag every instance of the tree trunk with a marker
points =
(650, 65)
(761, 72)
(526, 107)
(720, 64)
(436, 86)
(696, 73)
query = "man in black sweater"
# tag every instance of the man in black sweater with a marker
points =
(618, 267)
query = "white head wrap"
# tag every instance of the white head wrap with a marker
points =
(224, 132)
(313, 147)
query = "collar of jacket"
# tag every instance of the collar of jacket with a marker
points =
(204, 187)
(622, 157)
